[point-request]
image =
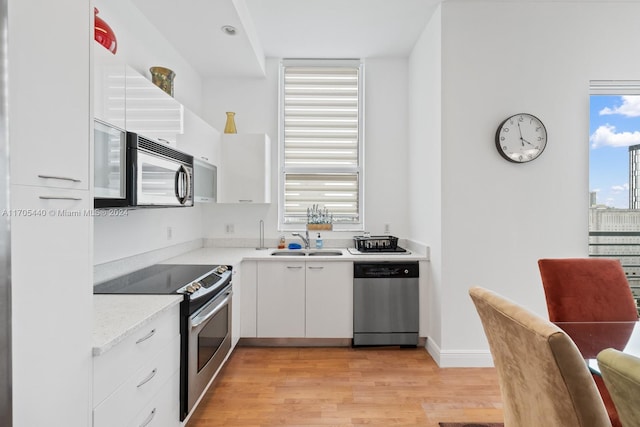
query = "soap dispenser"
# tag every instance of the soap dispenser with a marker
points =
(319, 242)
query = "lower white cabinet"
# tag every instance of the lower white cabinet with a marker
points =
(310, 299)
(329, 300)
(280, 304)
(137, 382)
(248, 307)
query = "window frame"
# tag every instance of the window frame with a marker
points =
(358, 170)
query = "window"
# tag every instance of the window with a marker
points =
(321, 142)
(614, 174)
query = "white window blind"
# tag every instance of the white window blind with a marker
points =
(321, 140)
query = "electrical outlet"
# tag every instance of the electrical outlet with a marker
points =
(229, 228)
(387, 229)
(169, 233)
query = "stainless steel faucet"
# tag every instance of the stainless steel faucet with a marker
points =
(304, 238)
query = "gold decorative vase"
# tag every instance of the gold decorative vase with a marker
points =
(163, 78)
(230, 127)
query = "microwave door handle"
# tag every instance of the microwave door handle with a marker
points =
(187, 186)
(181, 193)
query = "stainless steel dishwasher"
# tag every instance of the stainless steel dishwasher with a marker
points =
(385, 303)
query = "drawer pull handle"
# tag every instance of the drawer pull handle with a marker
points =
(149, 418)
(59, 198)
(315, 268)
(149, 377)
(62, 178)
(146, 337)
(294, 266)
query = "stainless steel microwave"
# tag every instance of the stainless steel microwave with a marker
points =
(158, 175)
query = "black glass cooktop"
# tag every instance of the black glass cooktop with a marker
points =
(155, 280)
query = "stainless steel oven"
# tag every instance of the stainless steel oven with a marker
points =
(205, 317)
(209, 342)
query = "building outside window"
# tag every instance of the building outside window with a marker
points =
(321, 143)
(614, 175)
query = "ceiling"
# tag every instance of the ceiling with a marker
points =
(285, 28)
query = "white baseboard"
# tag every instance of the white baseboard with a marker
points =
(459, 358)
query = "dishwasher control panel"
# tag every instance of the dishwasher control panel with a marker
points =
(390, 269)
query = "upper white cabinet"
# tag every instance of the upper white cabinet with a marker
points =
(245, 169)
(150, 111)
(49, 94)
(199, 139)
(108, 87)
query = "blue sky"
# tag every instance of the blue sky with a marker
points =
(614, 125)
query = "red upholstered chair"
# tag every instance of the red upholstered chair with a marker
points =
(588, 289)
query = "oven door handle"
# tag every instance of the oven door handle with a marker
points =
(202, 317)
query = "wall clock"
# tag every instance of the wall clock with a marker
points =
(521, 138)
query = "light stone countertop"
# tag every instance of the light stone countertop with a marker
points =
(234, 256)
(115, 317)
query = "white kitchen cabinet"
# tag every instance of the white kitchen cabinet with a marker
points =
(329, 300)
(248, 325)
(108, 87)
(199, 139)
(281, 299)
(245, 169)
(138, 379)
(150, 111)
(51, 297)
(49, 88)
(310, 299)
(236, 306)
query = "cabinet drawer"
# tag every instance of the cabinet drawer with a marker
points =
(164, 408)
(117, 365)
(120, 408)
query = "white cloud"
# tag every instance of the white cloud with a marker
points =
(606, 135)
(630, 107)
(620, 188)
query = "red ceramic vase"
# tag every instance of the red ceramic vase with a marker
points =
(104, 34)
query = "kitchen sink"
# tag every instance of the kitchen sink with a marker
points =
(297, 252)
(288, 253)
(325, 253)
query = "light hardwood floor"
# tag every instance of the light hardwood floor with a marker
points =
(344, 386)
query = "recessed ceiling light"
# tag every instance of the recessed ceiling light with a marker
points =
(229, 30)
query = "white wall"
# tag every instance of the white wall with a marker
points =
(255, 102)
(499, 218)
(141, 46)
(424, 201)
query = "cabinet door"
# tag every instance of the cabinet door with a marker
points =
(329, 300)
(49, 87)
(150, 111)
(108, 86)
(245, 169)
(248, 301)
(199, 139)
(52, 305)
(236, 306)
(281, 294)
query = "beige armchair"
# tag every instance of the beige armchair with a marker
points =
(621, 374)
(544, 381)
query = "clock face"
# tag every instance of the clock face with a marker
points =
(521, 138)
